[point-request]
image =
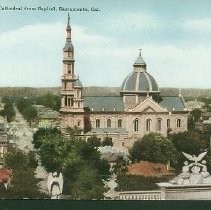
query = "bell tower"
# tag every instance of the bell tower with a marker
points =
(72, 110)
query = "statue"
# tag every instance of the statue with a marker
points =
(55, 185)
(194, 158)
(193, 173)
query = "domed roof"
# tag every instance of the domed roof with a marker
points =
(68, 46)
(139, 81)
(78, 83)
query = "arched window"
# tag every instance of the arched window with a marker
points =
(79, 123)
(159, 124)
(168, 123)
(119, 123)
(97, 123)
(148, 122)
(136, 125)
(108, 123)
(178, 123)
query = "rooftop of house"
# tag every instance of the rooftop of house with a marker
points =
(115, 103)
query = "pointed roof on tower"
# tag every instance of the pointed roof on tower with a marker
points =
(139, 60)
(68, 23)
(68, 45)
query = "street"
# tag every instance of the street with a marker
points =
(22, 137)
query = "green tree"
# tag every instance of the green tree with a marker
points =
(25, 107)
(49, 100)
(30, 114)
(8, 111)
(154, 148)
(24, 183)
(121, 166)
(107, 142)
(88, 185)
(42, 133)
(191, 142)
(194, 118)
(94, 141)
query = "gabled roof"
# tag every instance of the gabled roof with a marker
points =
(172, 103)
(148, 104)
(104, 103)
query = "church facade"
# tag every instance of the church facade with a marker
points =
(138, 110)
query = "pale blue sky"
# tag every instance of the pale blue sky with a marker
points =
(174, 35)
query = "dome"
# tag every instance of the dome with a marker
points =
(139, 81)
(78, 83)
(68, 46)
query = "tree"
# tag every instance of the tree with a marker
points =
(191, 142)
(88, 185)
(42, 133)
(24, 183)
(121, 166)
(107, 142)
(94, 141)
(30, 114)
(72, 156)
(8, 110)
(49, 100)
(25, 107)
(194, 118)
(154, 148)
(135, 151)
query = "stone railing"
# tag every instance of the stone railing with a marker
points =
(139, 195)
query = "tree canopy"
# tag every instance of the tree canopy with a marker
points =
(24, 183)
(153, 147)
(8, 111)
(77, 159)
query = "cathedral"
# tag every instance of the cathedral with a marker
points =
(138, 110)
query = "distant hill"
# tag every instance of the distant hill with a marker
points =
(95, 91)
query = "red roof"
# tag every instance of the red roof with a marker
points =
(145, 168)
(5, 174)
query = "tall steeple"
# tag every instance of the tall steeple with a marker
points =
(71, 92)
(68, 45)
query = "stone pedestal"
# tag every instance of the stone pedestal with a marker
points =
(185, 192)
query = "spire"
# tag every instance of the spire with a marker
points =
(68, 22)
(68, 46)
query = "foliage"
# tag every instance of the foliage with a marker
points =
(88, 185)
(154, 148)
(191, 142)
(107, 142)
(207, 105)
(41, 133)
(73, 131)
(194, 118)
(136, 183)
(94, 141)
(121, 166)
(24, 183)
(8, 111)
(49, 100)
(77, 160)
(25, 107)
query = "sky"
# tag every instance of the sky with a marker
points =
(174, 35)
